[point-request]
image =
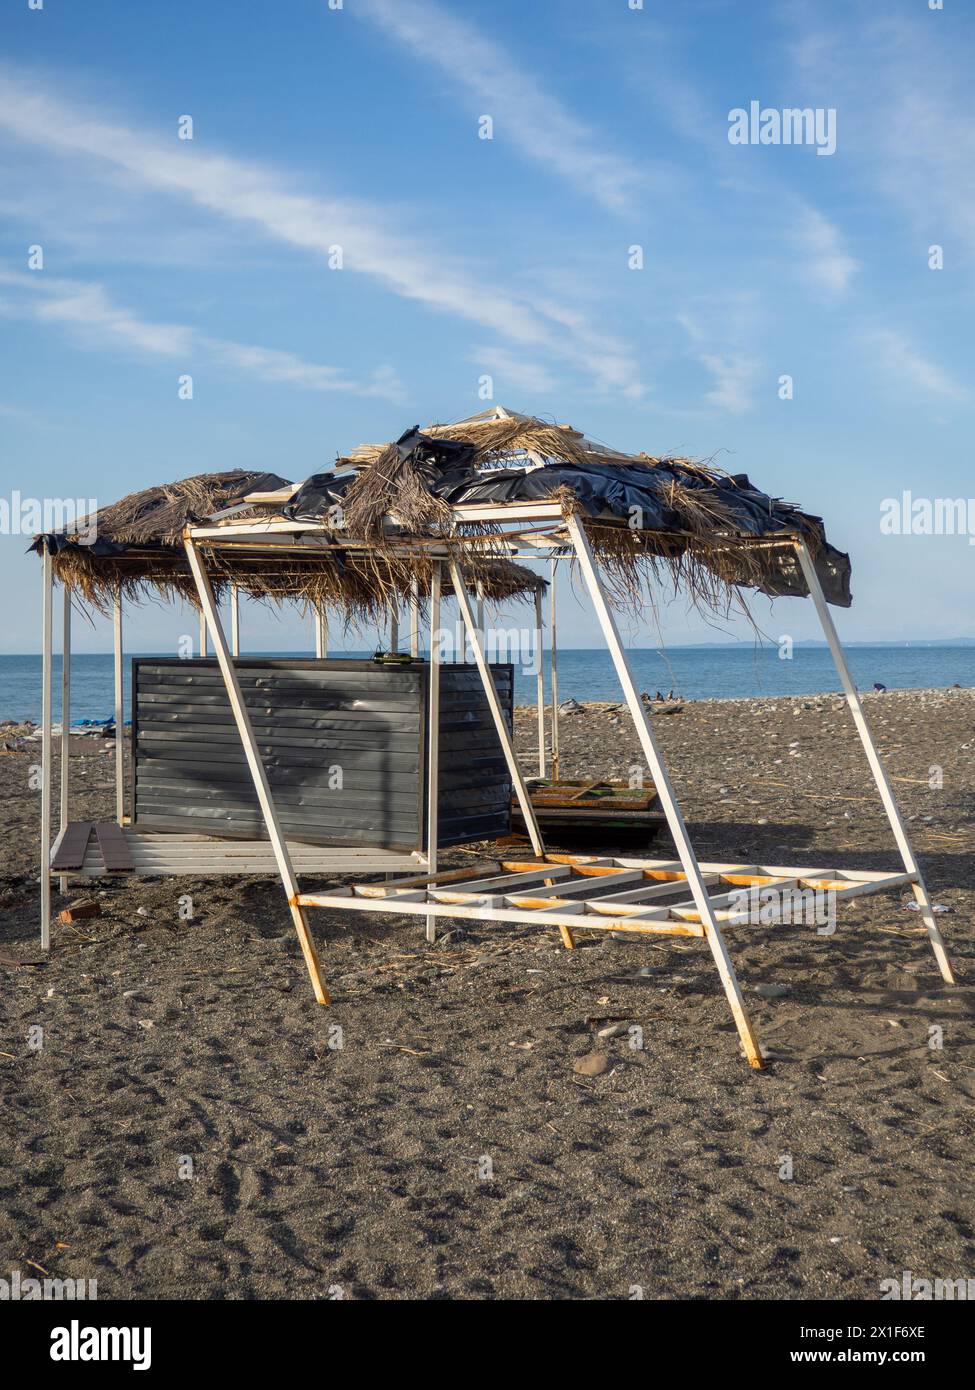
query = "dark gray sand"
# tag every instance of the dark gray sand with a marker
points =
(362, 1168)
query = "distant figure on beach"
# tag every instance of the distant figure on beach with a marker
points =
(878, 686)
(659, 697)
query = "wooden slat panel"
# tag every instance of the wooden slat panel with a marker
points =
(114, 847)
(70, 852)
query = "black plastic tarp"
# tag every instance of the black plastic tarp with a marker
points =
(622, 491)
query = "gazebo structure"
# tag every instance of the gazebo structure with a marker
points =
(457, 505)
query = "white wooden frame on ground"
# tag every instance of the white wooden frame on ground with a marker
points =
(577, 892)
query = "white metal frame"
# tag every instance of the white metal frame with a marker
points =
(65, 716)
(665, 790)
(428, 894)
(433, 736)
(476, 639)
(119, 714)
(876, 766)
(208, 607)
(418, 896)
(47, 676)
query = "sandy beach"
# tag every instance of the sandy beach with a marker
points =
(190, 1130)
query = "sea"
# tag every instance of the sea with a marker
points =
(720, 672)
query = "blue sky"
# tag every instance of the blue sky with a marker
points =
(464, 257)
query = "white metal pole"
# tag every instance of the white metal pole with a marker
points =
(494, 704)
(433, 736)
(208, 606)
(234, 620)
(675, 819)
(65, 715)
(119, 716)
(540, 682)
(393, 625)
(203, 634)
(414, 618)
(553, 638)
(321, 632)
(479, 591)
(873, 758)
(47, 677)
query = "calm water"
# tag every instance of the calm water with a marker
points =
(697, 673)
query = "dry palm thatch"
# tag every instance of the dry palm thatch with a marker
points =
(393, 482)
(159, 514)
(133, 549)
(701, 552)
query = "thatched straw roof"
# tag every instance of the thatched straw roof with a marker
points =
(134, 547)
(708, 531)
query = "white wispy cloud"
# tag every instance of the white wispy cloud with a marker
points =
(541, 126)
(250, 193)
(734, 381)
(908, 113)
(910, 368)
(90, 315)
(824, 261)
(514, 374)
(717, 333)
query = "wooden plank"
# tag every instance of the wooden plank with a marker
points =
(555, 918)
(501, 884)
(644, 894)
(116, 854)
(576, 860)
(69, 853)
(583, 886)
(380, 890)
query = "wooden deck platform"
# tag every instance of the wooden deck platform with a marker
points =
(96, 849)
